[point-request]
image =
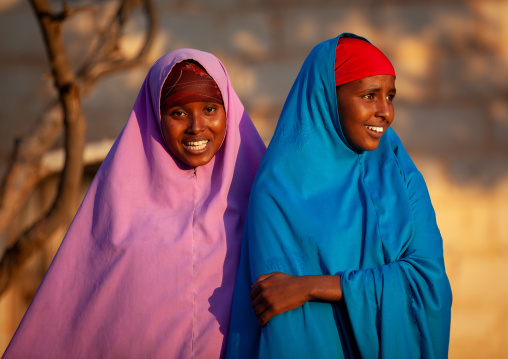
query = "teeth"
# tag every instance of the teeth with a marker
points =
(374, 128)
(196, 145)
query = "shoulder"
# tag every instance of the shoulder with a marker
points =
(399, 152)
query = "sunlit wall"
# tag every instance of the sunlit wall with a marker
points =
(451, 59)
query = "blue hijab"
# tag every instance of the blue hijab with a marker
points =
(319, 207)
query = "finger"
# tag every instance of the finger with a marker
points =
(255, 291)
(256, 300)
(264, 318)
(262, 277)
(261, 282)
(259, 309)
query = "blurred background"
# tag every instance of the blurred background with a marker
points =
(451, 59)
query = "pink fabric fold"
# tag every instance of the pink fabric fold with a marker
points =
(147, 267)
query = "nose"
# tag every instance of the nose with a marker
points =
(196, 123)
(385, 110)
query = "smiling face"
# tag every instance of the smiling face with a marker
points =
(366, 110)
(194, 132)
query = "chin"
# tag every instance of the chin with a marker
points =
(368, 147)
(372, 148)
(198, 162)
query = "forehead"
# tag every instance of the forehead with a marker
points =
(377, 82)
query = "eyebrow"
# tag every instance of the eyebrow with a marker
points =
(377, 89)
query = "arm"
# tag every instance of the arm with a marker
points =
(276, 293)
(412, 291)
(397, 308)
(411, 288)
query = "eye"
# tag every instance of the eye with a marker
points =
(390, 97)
(177, 114)
(368, 96)
(209, 109)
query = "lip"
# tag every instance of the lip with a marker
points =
(196, 146)
(375, 134)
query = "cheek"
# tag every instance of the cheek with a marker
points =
(351, 133)
(221, 131)
(171, 131)
(219, 127)
(348, 123)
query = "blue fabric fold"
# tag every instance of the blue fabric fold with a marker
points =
(319, 207)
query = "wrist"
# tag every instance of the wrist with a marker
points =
(314, 288)
(325, 287)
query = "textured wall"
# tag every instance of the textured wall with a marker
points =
(451, 58)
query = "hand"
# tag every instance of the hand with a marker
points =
(276, 293)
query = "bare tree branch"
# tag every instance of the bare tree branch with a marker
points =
(64, 14)
(105, 57)
(65, 82)
(24, 165)
(24, 168)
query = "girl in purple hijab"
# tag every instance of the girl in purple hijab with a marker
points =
(147, 267)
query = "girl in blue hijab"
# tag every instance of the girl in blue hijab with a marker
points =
(341, 255)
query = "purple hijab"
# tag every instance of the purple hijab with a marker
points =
(148, 265)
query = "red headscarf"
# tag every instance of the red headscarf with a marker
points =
(356, 59)
(189, 82)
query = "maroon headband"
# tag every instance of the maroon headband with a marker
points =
(356, 59)
(189, 82)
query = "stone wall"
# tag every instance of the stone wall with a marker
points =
(451, 59)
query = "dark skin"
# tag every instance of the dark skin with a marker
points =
(365, 113)
(276, 293)
(366, 110)
(194, 131)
